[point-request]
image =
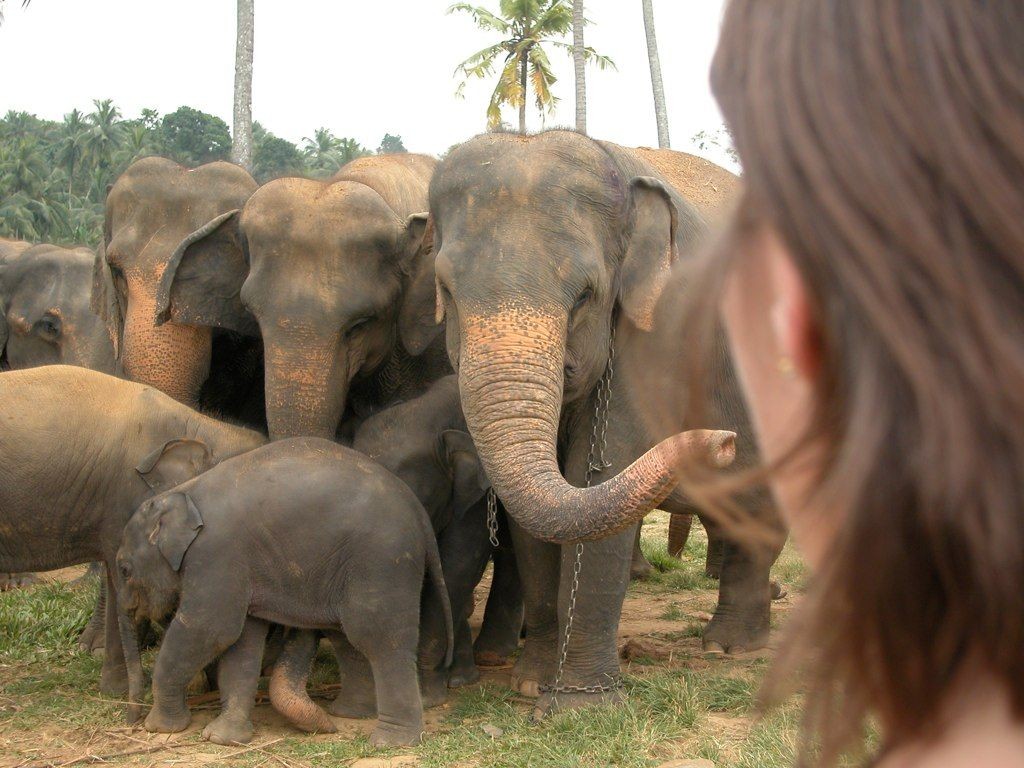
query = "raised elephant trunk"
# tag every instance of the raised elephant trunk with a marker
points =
(510, 376)
(172, 358)
(306, 387)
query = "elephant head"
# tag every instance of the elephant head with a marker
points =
(45, 307)
(153, 205)
(540, 244)
(333, 275)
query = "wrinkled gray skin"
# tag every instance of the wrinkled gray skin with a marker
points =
(45, 317)
(302, 533)
(543, 244)
(334, 277)
(424, 442)
(79, 451)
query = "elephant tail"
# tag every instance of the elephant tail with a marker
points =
(437, 580)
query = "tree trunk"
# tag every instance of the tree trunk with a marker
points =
(241, 144)
(660, 111)
(522, 105)
(579, 65)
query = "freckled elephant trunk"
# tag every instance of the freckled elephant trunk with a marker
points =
(510, 377)
(306, 388)
(172, 358)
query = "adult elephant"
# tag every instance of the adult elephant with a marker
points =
(551, 251)
(336, 276)
(45, 315)
(10, 248)
(151, 207)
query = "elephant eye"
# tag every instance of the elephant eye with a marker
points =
(356, 325)
(126, 570)
(49, 327)
(583, 298)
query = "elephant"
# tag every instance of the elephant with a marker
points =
(551, 251)
(150, 208)
(424, 443)
(10, 248)
(335, 276)
(79, 451)
(304, 533)
(46, 317)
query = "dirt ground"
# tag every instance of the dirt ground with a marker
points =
(659, 630)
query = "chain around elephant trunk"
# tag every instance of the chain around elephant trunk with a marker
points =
(596, 462)
(492, 517)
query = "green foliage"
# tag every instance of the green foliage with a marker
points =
(54, 175)
(23, 637)
(391, 145)
(524, 26)
(193, 138)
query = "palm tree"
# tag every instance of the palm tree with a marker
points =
(242, 142)
(323, 152)
(71, 145)
(579, 65)
(104, 135)
(660, 111)
(525, 26)
(24, 4)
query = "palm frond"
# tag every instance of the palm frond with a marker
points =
(589, 55)
(481, 63)
(483, 18)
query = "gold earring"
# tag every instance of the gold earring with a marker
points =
(786, 366)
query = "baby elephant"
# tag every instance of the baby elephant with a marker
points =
(303, 533)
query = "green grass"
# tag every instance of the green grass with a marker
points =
(686, 707)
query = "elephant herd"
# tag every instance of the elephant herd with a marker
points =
(267, 360)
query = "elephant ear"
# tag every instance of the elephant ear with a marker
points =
(105, 300)
(203, 278)
(417, 323)
(5, 330)
(653, 247)
(469, 481)
(175, 462)
(176, 527)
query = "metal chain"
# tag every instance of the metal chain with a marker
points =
(596, 462)
(492, 517)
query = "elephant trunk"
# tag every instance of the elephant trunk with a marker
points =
(172, 358)
(511, 380)
(306, 388)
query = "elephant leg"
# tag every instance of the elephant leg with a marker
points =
(93, 573)
(716, 548)
(12, 581)
(539, 566)
(741, 620)
(288, 693)
(503, 616)
(639, 568)
(185, 651)
(678, 533)
(433, 642)
(114, 674)
(238, 673)
(592, 654)
(390, 644)
(463, 671)
(356, 697)
(92, 637)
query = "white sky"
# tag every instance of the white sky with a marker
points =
(359, 68)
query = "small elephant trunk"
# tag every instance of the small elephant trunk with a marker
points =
(511, 379)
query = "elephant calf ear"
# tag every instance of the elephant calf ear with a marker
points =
(175, 462)
(176, 528)
(469, 481)
(652, 248)
(203, 279)
(417, 322)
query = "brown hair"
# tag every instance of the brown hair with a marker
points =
(883, 142)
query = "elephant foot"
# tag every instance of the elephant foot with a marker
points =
(640, 569)
(778, 590)
(228, 731)
(550, 703)
(390, 735)
(11, 581)
(491, 658)
(92, 638)
(433, 687)
(725, 635)
(158, 721)
(353, 704)
(114, 681)
(462, 675)
(534, 667)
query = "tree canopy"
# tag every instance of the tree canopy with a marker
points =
(54, 175)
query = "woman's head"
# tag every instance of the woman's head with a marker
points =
(873, 294)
